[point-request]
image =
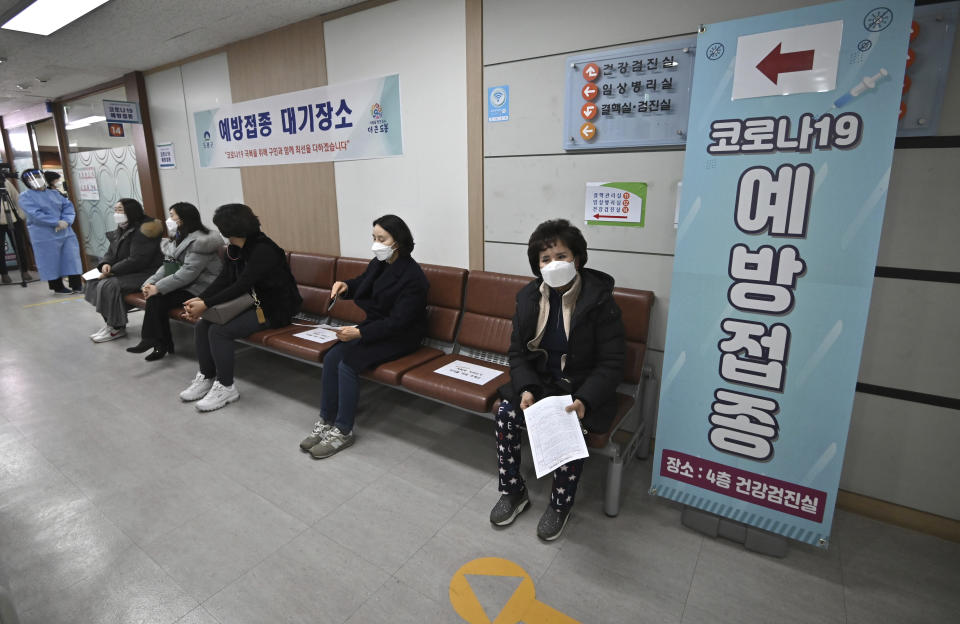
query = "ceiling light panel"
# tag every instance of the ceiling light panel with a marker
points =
(44, 17)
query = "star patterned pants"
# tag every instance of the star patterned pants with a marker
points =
(566, 478)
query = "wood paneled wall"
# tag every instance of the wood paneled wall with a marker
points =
(297, 204)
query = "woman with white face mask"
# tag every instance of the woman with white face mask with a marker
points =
(134, 254)
(55, 246)
(392, 291)
(190, 264)
(567, 339)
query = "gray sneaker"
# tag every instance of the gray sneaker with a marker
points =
(508, 508)
(320, 430)
(551, 523)
(331, 444)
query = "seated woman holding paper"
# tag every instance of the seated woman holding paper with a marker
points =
(393, 293)
(190, 264)
(254, 290)
(567, 339)
(133, 255)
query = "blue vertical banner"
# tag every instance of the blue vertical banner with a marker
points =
(788, 159)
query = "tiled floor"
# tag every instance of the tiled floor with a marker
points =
(118, 503)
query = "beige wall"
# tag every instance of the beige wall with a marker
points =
(297, 204)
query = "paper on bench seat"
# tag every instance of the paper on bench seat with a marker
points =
(554, 433)
(318, 334)
(92, 274)
(458, 369)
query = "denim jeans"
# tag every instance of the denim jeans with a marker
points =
(341, 390)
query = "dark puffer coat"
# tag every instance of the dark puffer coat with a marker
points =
(596, 348)
(134, 249)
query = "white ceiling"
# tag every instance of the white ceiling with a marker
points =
(126, 35)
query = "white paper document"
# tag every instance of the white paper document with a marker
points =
(92, 274)
(318, 334)
(555, 434)
(466, 371)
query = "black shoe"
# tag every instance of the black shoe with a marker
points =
(157, 354)
(508, 508)
(141, 347)
(62, 291)
(551, 523)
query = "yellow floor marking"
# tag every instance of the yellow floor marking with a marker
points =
(522, 606)
(33, 305)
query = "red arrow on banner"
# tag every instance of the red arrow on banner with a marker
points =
(777, 63)
(600, 216)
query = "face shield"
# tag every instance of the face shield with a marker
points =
(34, 179)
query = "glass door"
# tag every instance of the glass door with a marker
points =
(103, 167)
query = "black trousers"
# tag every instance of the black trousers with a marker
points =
(215, 345)
(156, 322)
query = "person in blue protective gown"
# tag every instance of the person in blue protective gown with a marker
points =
(55, 246)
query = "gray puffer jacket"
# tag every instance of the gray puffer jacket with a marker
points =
(200, 263)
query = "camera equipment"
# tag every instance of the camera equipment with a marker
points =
(10, 212)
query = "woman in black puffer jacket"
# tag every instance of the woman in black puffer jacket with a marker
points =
(255, 265)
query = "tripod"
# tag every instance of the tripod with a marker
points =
(9, 211)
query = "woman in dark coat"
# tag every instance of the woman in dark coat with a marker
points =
(393, 293)
(567, 338)
(134, 254)
(255, 265)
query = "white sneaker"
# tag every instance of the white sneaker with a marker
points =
(100, 331)
(218, 396)
(197, 389)
(110, 334)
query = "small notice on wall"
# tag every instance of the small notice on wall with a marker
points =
(166, 158)
(615, 203)
(498, 103)
(87, 183)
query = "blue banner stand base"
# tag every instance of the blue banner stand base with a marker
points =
(752, 538)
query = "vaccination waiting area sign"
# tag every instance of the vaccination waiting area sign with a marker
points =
(791, 138)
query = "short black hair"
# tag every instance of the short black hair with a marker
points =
(236, 220)
(51, 177)
(189, 218)
(395, 226)
(133, 209)
(550, 233)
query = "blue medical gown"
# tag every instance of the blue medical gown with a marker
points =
(57, 253)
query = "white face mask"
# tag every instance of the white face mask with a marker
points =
(120, 218)
(381, 251)
(558, 273)
(171, 227)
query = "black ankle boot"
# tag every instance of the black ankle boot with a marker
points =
(142, 346)
(157, 354)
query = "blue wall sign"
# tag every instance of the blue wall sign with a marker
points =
(498, 103)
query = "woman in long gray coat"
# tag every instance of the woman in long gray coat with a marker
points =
(191, 261)
(133, 256)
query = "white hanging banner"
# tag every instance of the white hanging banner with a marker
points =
(350, 121)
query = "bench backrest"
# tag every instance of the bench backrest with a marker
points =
(314, 274)
(635, 306)
(346, 310)
(444, 300)
(488, 310)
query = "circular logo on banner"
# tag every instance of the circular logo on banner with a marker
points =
(589, 91)
(498, 96)
(589, 110)
(864, 45)
(591, 72)
(715, 51)
(878, 19)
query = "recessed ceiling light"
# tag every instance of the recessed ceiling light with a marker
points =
(44, 17)
(86, 121)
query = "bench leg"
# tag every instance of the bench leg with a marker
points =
(611, 497)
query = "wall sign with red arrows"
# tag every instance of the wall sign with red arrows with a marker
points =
(616, 203)
(629, 97)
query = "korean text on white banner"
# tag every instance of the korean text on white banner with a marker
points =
(349, 121)
(785, 180)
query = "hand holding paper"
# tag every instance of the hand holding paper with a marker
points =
(554, 432)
